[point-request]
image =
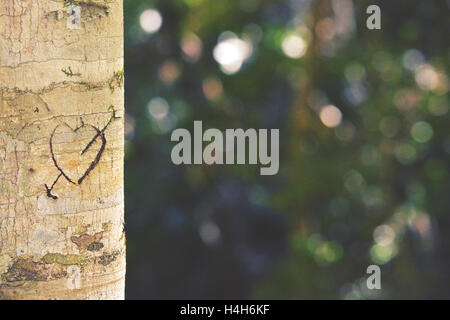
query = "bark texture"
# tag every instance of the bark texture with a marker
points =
(61, 149)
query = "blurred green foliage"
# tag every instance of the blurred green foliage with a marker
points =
(364, 142)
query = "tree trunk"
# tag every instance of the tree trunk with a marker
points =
(61, 149)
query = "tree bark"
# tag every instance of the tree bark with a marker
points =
(61, 149)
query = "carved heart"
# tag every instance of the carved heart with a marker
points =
(76, 152)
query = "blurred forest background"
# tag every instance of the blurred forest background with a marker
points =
(364, 146)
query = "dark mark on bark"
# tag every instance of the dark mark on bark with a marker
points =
(68, 72)
(97, 158)
(88, 242)
(54, 160)
(108, 258)
(95, 246)
(101, 134)
(49, 190)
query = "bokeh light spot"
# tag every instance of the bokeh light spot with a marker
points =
(294, 46)
(422, 131)
(231, 52)
(405, 154)
(158, 108)
(212, 88)
(209, 233)
(383, 254)
(192, 47)
(150, 20)
(384, 235)
(330, 116)
(413, 59)
(427, 78)
(169, 71)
